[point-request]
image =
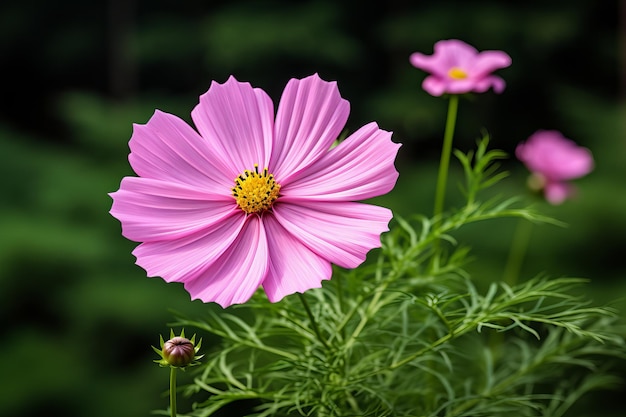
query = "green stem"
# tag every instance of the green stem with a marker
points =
(443, 339)
(519, 245)
(340, 300)
(312, 319)
(454, 333)
(371, 309)
(173, 391)
(446, 151)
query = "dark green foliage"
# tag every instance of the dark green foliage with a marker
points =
(409, 334)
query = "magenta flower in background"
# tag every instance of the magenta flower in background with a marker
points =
(553, 160)
(458, 68)
(252, 199)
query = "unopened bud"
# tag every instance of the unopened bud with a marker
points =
(179, 351)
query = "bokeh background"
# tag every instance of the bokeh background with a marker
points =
(77, 317)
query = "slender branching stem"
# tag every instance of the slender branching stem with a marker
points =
(519, 245)
(173, 391)
(314, 325)
(339, 284)
(446, 151)
(451, 335)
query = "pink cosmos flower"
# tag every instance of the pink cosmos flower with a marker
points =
(553, 160)
(254, 200)
(458, 68)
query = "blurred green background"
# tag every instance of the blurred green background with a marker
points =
(78, 317)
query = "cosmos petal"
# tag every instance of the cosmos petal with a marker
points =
(293, 267)
(238, 272)
(455, 52)
(434, 64)
(238, 122)
(557, 192)
(487, 62)
(188, 257)
(434, 86)
(446, 54)
(438, 86)
(310, 117)
(341, 232)
(150, 209)
(557, 158)
(579, 164)
(167, 148)
(360, 167)
(491, 81)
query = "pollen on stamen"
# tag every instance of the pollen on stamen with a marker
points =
(457, 73)
(255, 192)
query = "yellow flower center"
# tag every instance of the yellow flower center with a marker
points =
(255, 192)
(457, 73)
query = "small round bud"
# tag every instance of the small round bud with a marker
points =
(179, 351)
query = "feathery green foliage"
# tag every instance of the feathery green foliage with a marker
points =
(410, 334)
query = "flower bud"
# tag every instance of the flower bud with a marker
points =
(179, 351)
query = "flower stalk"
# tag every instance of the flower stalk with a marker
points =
(173, 371)
(446, 151)
(519, 246)
(177, 352)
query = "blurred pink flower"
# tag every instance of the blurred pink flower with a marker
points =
(553, 160)
(458, 68)
(254, 199)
